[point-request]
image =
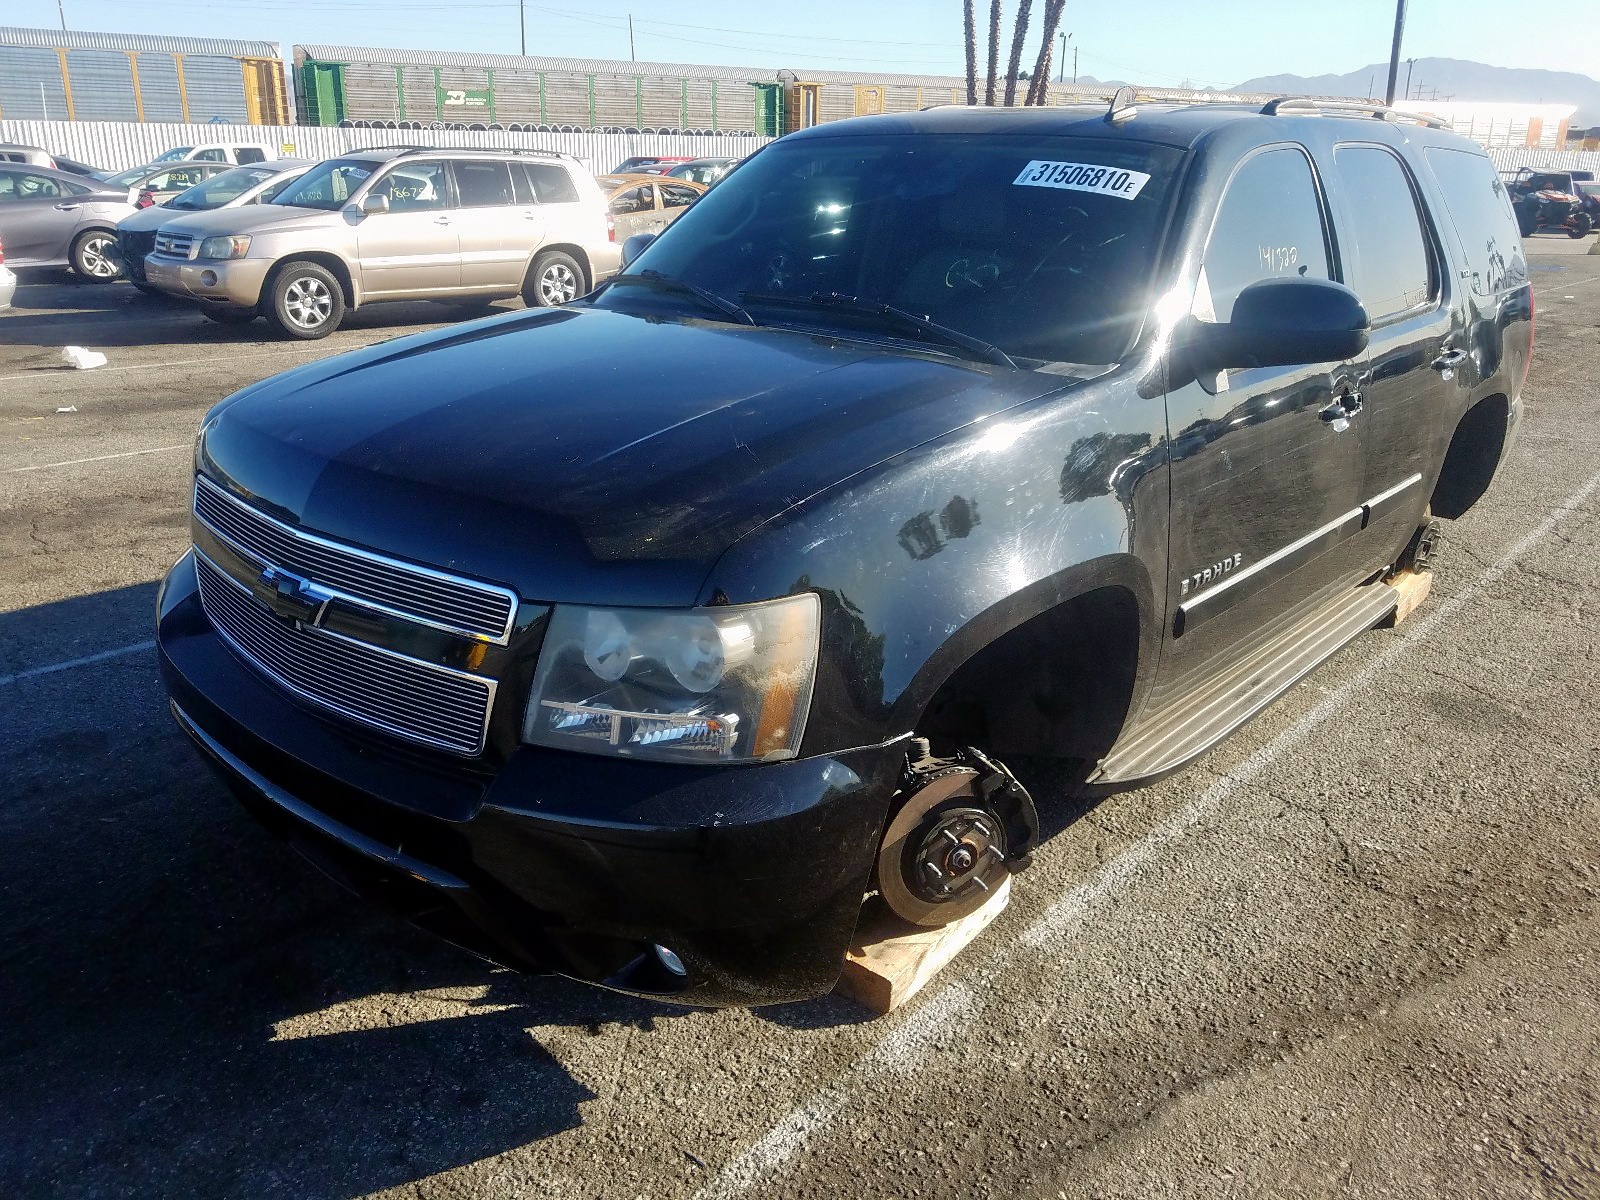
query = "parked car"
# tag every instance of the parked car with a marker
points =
(30, 156)
(52, 219)
(1550, 200)
(257, 184)
(641, 161)
(704, 171)
(967, 433)
(73, 167)
(8, 280)
(644, 204)
(394, 224)
(35, 156)
(156, 183)
(236, 153)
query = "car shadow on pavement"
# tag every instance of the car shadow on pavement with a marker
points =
(55, 314)
(187, 1007)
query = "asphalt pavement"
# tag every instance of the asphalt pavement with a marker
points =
(1351, 952)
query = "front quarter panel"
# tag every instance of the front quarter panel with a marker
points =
(927, 558)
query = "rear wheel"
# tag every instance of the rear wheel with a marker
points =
(553, 280)
(91, 256)
(304, 300)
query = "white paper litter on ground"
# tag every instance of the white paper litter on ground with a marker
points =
(69, 408)
(84, 360)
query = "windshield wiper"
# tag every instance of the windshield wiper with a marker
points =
(891, 315)
(668, 283)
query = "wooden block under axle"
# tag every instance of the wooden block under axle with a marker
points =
(890, 960)
(1411, 589)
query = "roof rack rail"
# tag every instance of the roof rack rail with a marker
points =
(1123, 106)
(1303, 105)
(410, 148)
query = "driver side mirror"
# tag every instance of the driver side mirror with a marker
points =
(1281, 323)
(371, 205)
(635, 246)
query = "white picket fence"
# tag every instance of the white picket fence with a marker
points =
(120, 144)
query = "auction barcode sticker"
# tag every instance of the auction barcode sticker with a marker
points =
(1082, 177)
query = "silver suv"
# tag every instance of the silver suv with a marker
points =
(394, 223)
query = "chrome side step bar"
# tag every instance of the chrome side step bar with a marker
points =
(1167, 739)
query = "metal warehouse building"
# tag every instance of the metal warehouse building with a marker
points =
(61, 75)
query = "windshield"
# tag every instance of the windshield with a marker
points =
(173, 155)
(328, 186)
(219, 189)
(1040, 246)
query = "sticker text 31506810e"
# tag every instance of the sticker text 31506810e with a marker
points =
(1082, 177)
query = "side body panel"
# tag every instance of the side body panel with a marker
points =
(925, 559)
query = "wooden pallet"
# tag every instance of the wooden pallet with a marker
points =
(1411, 588)
(890, 961)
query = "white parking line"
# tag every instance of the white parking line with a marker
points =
(815, 1114)
(73, 462)
(52, 376)
(86, 661)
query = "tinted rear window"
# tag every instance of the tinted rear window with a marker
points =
(1481, 213)
(551, 184)
(1392, 269)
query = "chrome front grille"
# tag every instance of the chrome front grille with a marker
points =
(422, 702)
(480, 611)
(174, 245)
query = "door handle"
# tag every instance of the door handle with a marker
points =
(441, 220)
(1449, 360)
(1338, 413)
(67, 208)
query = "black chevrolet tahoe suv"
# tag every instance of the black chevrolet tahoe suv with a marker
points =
(647, 639)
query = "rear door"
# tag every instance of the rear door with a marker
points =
(1266, 479)
(494, 234)
(413, 248)
(38, 215)
(1394, 260)
(634, 211)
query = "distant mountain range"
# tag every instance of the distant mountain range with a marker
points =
(1452, 77)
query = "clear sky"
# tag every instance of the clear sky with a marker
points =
(1156, 42)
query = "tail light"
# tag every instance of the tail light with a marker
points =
(2, 250)
(611, 227)
(146, 198)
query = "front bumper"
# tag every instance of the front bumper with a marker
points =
(236, 283)
(577, 864)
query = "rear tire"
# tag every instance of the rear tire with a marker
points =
(91, 256)
(553, 280)
(304, 301)
(1582, 223)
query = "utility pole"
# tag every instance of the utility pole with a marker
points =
(1394, 51)
(522, 24)
(631, 54)
(1074, 64)
(1061, 75)
(1410, 64)
(63, 13)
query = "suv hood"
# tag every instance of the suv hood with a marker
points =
(247, 218)
(584, 455)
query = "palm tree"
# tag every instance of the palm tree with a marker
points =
(972, 57)
(1018, 34)
(1038, 90)
(994, 51)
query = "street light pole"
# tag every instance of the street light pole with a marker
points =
(1061, 75)
(1394, 51)
(63, 13)
(631, 55)
(522, 24)
(1410, 65)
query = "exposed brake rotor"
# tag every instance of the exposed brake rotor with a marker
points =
(944, 853)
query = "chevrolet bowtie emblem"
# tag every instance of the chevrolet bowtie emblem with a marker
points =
(290, 598)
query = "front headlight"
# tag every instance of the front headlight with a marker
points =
(729, 684)
(233, 246)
